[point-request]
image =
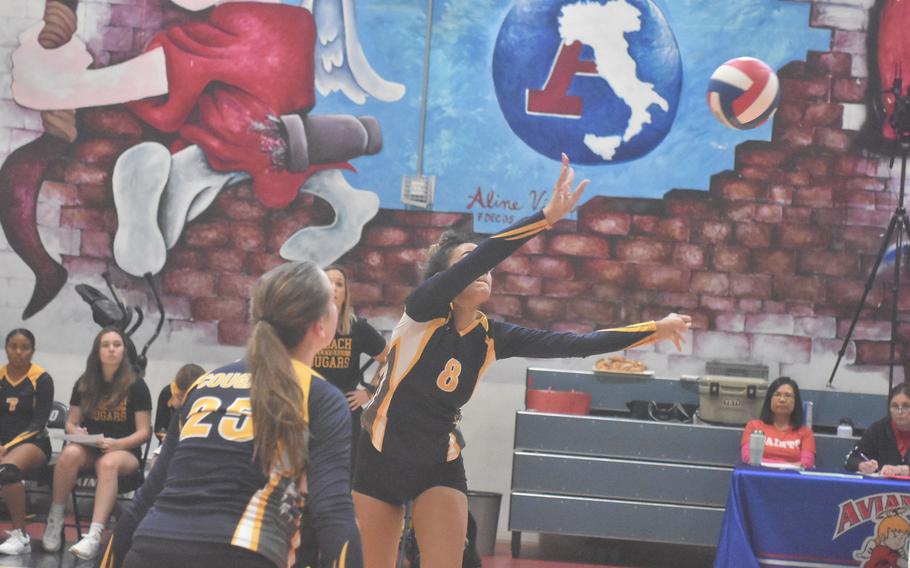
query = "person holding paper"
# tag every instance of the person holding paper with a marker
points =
(26, 397)
(787, 439)
(885, 444)
(108, 399)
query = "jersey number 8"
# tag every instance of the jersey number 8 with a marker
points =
(448, 379)
(236, 425)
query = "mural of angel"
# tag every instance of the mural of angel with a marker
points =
(237, 90)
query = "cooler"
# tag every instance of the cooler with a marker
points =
(730, 400)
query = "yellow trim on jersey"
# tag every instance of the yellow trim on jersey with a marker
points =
(305, 376)
(246, 535)
(377, 433)
(197, 381)
(479, 319)
(638, 328)
(491, 356)
(524, 231)
(343, 557)
(33, 374)
(188, 391)
(21, 437)
(107, 561)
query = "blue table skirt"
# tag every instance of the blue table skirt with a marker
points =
(785, 518)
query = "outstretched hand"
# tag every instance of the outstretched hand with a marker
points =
(564, 199)
(673, 327)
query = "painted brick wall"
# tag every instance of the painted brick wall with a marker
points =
(769, 257)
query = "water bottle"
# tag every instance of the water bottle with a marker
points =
(845, 428)
(808, 407)
(756, 447)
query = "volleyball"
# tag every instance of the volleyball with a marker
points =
(743, 93)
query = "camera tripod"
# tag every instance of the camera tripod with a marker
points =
(898, 227)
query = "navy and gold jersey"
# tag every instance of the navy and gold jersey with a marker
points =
(339, 362)
(206, 486)
(433, 368)
(25, 405)
(116, 420)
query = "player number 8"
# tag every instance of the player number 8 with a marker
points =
(448, 379)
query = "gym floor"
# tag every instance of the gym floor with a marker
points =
(550, 552)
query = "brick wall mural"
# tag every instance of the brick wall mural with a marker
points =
(769, 253)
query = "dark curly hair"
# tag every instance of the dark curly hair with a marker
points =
(438, 254)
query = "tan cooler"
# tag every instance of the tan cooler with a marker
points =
(730, 400)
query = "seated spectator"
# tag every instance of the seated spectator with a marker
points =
(108, 399)
(883, 447)
(26, 397)
(787, 439)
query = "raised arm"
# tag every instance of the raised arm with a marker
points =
(516, 341)
(431, 299)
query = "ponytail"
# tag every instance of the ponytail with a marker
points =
(277, 402)
(285, 302)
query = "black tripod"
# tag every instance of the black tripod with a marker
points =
(899, 225)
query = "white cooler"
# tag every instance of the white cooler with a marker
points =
(730, 400)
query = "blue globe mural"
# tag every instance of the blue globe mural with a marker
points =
(598, 80)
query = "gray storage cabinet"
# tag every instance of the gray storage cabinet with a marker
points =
(616, 477)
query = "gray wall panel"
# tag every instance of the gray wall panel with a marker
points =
(624, 438)
(615, 519)
(649, 441)
(628, 480)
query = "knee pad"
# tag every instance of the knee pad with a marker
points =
(10, 473)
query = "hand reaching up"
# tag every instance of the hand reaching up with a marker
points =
(564, 199)
(674, 327)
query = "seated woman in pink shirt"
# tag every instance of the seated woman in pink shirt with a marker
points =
(787, 438)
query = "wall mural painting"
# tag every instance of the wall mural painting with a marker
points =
(211, 140)
(618, 85)
(236, 89)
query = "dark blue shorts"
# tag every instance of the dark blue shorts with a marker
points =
(396, 481)
(44, 444)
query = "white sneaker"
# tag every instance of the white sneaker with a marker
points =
(53, 534)
(87, 548)
(17, 543)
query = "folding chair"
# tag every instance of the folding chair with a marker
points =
(126, 484)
